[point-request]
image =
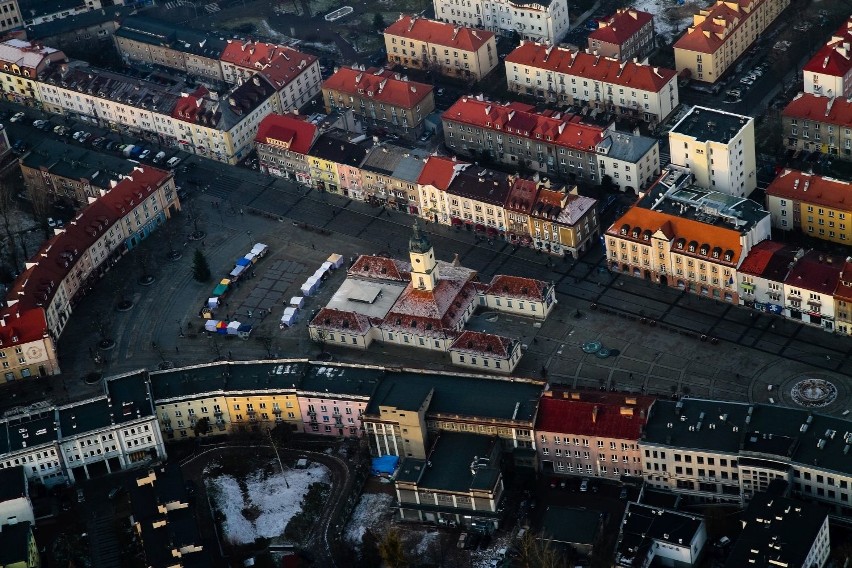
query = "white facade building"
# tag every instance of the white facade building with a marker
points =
(540, 20)
(718, 147)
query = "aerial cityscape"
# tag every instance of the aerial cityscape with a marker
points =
(400, 284)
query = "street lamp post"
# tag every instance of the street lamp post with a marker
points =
(275, 449)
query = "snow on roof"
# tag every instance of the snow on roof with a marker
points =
(486, 344)
(380, 267)
(518, 287)
(331, 319)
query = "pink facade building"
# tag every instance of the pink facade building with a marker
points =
(332, 399)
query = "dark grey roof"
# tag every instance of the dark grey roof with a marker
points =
(488, 186)
(458, 395)
(706, 124)
(777, 532)
(158, 32)
(27, 431)
(571, 525)
(448, 466)
(335, 146)
(733, 427)
(31, 9)
(643, 524)
(15, 544)
(76, 162)
(626, 146)
(13, 483)
(129, 396)
(77, 22)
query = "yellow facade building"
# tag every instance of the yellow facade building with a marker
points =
(815, 205)
(721, 33)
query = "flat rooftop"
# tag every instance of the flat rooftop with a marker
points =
(711, 125)
(450, 464)
(373, 299)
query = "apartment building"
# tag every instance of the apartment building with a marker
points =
(684, 236)
(35, 12)
(446, 49)
(408, 409)
(389, 174)
(562, 222)
(380, 99)
(542, 20)
(829, 71)
(809, 289)
(145, 40)
(81, 29)
(762, 275)
(779, 531)
(70, 175)
(41, 299)
(655, 536)
(561, 146)
(22, 66)
(459, 482)
(606, 84)
(819, 123)
(283, 143)
(476, 199)
(10, 15)
(720, 34)
(843, 300)
(334, 161)
(520, 296)
(815, 205)
(111, 432)
(15, 503)
(715, 451)
(220, 127)
(590, 433)
(626, 35)
(628, 162)
(718, 148)
(294, 74)
(163, 520)
(333, 399)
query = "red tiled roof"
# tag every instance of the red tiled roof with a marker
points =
(381, 268)
(192, 107)
(35, 287)
(708, 36)
(592, 67)
(440, 33)
(604, 415)
(521, 120)
(674, 227)
(816, 272)
(831, 110)
(810, 188)
(439, 171)
(759, 257)
(293, 129)
(340, 320)
(834, 58)
(518, 287)
(486, 344)
(286, 66)
(381, 85)
(256, 55)
(22, 326)
(522, 195)
(621, 26)
(844, 282)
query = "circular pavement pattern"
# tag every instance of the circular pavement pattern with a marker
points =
(813, 392)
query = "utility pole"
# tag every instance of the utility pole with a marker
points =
(275, 449)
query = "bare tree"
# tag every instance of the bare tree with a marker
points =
(144, 260)
(102, 325)
(535, 551)
(8, 212)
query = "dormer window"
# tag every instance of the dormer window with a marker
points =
(717, 252)
(729, 255)
(680, 244)
(625, 229)
(704, 250)
(636, 233)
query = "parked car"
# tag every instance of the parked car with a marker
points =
(173, 161)
(623, 494)
(80, 496)
(111, 145)
(159, 157)
(51, 222)
(584, 485)
(60, 130)
(84, 137)
(98, 142)
(144, 154)
(39, 123)
(77, 135)
(462, 540)
(17, 117)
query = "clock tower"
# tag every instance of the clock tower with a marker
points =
(424, 269)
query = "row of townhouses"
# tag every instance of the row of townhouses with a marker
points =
(437, 425)
(200, 120)
(558, 144)
(41, 299)
(540, 20)
(445, 190)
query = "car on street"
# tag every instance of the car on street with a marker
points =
(60, 130)
(51, 222)
(111, 145)
(84, 137)
(98, 142)
(584, 485)
(39, 123)
(81, 497)
(159, 157)
(462, 540)
(440, 92)
(19, 147)
(144, 154)
(426, 136)
(77, 135)
(623, 494)
(17, 116)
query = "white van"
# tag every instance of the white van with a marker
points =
(173, 161)
(159, 157)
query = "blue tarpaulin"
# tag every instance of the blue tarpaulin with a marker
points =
(384, 465)
(243, 262)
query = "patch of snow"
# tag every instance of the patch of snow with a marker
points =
(426, 543)
(670, 19)
(368, 514)
(482, 558)
(275, 502)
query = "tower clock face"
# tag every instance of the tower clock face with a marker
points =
(33, 352)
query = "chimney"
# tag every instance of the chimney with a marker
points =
(595, 414)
